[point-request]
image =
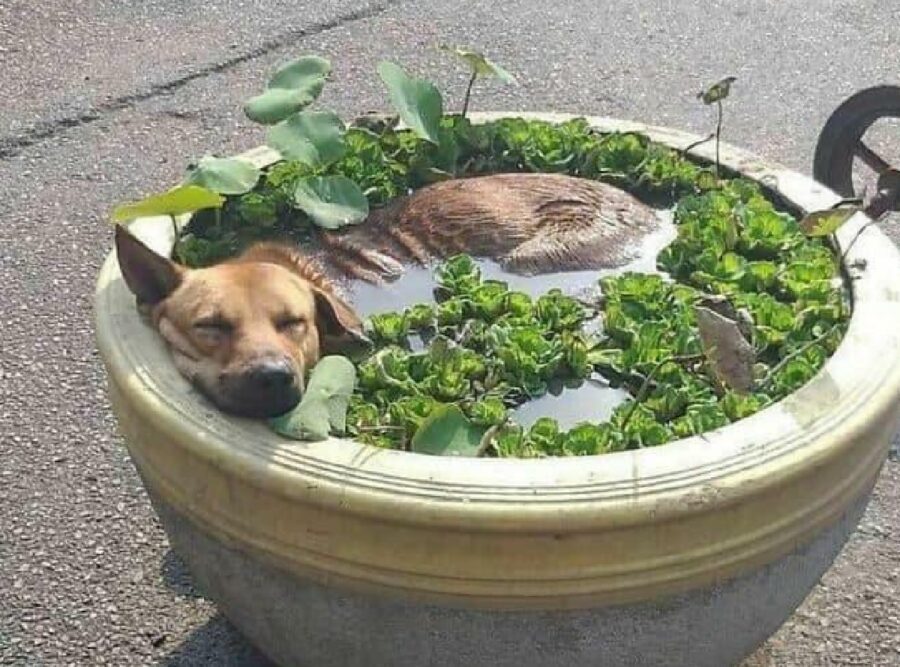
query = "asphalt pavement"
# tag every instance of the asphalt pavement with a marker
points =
(105, 100)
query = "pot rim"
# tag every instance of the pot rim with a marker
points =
(857, 387)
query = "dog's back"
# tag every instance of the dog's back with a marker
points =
(529, 223)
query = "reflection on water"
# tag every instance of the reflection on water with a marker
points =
(417, 282)
(592, 400)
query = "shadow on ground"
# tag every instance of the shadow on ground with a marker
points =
(216, 642)
(176, 577)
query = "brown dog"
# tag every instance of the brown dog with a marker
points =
(246, 330)
(529, 223)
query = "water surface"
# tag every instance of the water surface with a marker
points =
(592, 400)
(417, 283)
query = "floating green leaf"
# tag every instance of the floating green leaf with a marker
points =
(177, 201)
(479, 64)
(323, 409)
(458, 276)
(293, 87)
(489, 411)
(331, 201)
(417, 101)
(420, 316)
(823, 223)
(315, 138)
(227, 176)
(447, 432)
(389, 328)
(585, 439)
(257, 209)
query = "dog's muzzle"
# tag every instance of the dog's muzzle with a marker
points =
(266, 388)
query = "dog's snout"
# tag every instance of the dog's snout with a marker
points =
(272, 375)
(265, 388)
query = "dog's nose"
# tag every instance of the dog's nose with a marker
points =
(271, 376)
(268, 388)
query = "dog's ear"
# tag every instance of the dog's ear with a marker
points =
(151, 277)
(337, 322)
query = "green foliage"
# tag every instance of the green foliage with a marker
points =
(177, 201)
(390, 328)
(489, 349)
(737, 406)
(323, 409)
(638, 428)
(698, 419)
(256, 209)
(200, 252)
(388, 163)
(227, 176)
(496, 349)
(420, 317)
(448, 432)
(823, 223)
(458, 276)
(479, 64)
(586, 438)
(417, 101)
(293, 87)
(558, 312)
(528, 357)
(314, 138)
(331, 201)
(488, 411)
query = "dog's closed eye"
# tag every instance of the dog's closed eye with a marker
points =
(214, 326)
(287, 323)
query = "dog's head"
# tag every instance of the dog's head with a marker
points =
(244, 332)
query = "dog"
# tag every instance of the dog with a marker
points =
(528, 223)
(245, 331)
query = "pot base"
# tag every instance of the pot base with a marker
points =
(298, 623)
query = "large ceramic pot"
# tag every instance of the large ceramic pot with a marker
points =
(692, 553)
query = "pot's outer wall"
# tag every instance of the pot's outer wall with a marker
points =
(547, 535)
(300, 623)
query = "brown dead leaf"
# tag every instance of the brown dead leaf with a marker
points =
(728, 352)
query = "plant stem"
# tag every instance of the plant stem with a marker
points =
(876, 208)
(855, 237)
(718, 134)
(465, 108)
(175, 254)
(687, 149)
(488, 438)
(642, 392)
(843, 269)
(770, 376)
(379, 428)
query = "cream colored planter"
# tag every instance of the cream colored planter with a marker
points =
(336, 553)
